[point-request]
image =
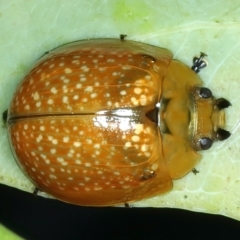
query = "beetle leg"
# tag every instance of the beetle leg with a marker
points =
(123, 36)
(199, 62)
(36, 190)
(127, 205)
(4, 118)
(195, 171)
(148, 174)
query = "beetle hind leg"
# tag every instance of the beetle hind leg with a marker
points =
(199, 62)
(195, 171)
(36, 191)
(4, 117)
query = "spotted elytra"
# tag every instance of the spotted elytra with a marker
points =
(108, 121)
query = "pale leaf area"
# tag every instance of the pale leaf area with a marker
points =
(30, 28)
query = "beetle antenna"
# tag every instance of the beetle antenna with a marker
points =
(199, 62)
(222, 103)
(222, 134)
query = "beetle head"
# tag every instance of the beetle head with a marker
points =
(208, 118)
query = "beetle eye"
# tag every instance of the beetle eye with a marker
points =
(222, 103)
(205, 93)
(205, 143)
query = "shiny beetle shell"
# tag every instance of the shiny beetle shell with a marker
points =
(106, 121)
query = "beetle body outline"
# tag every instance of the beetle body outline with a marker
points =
(105, 121)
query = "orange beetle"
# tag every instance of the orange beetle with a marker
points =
(106, 121)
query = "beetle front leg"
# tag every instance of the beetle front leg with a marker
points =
(199, 62)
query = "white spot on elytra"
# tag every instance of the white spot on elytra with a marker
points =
(60, 159)
(89, 141)
(27, 107)
(135, 138)
(144, 148)
(53, 150)
(38, 104)
(68, 70)
(128, 144)
(77, 144)
(137, 90)
(83, 79)
(123, 92)
(36, 96)
(89, 89)
(85, 68)
(75, 97)
(39, 138)
(110, 60)
(47, 161)
(147, 154)
(42, 128)
(93, 95)
(52, 176)
(50, 138)
(53, 90)
(65, 139)
(143, 100)
(126, 67)
(154, 166)
(96, 145)
(50, 101)
(65, 99)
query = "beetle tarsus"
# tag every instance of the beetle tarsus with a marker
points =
(127, 205)
(36, 190)
(4, 117)
(123, 36)
(195, 171)
(199, 62)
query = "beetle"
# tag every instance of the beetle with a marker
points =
(110, 121)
